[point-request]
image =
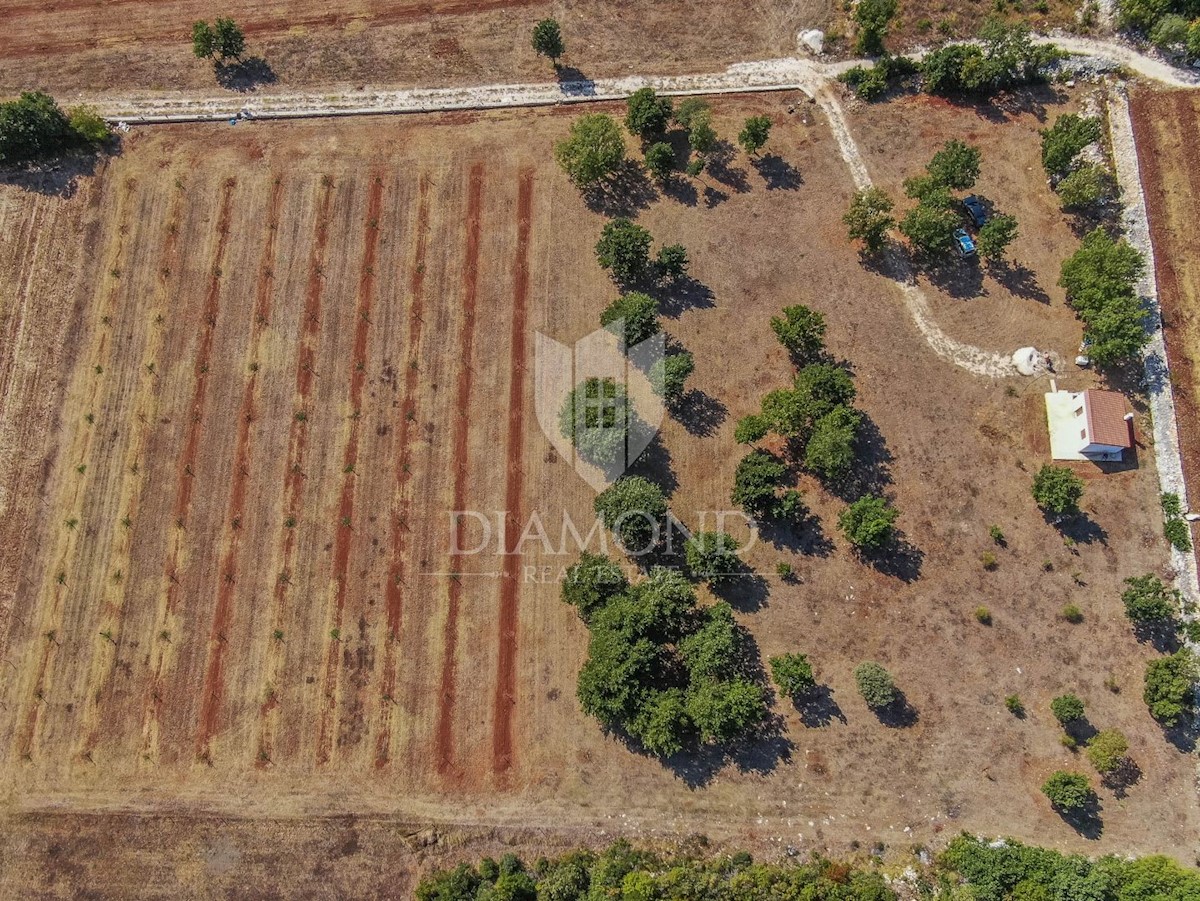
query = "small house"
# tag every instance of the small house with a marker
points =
(1088, 425)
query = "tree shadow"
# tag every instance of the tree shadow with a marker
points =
(700, 413)
(60, 177)
(1081, 730)
(682, 189)
(1184, 735)
(1160, 634)
(626, 192)
(1019, 280)
(1086, 821)
(960, 278)
(1080, 528)
(871, 473)
(899, 714)
(245, 75)
(720, 166)
(713, 196)
(654, 463)
(899, 559)
(573, 83)
(818, 709)
(1125, 776)
(778, 173)
(805, 537)
(746, 591)
(1031, 99)
(685, 293)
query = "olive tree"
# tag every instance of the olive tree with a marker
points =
(875, 684)
(635, 510)
(869, 218)
(593, 151)
(624, 249)
(793, 674)
(548, 41)
(754, 134)
(868, 523)
(1068, 792)
(1057, 490)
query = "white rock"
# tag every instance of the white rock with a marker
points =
(813, 39)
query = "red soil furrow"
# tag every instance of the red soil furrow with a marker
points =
(341, 553)
(184, 480)
(444, 748)
(293, 478)
(151, 33)
(213, 675)
(394, 596)
(506, 674)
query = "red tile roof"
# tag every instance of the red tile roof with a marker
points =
(1106, 423)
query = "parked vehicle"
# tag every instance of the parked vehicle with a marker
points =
(966, 244)
(975, 209)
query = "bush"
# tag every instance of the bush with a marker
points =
(1148, 601)
(875, 685)
(1072, 614)
(1179, 533)
(955, 166)
(1088, 186)
(712, 557)
(624, 249)
(997, 535)
(89, 125)
(660, 161)
(1107, 751)
(635, 510)
(592, 582)
(867, 82)
(1068, 791)
(802, 331)
(1007, 58)
(647, 113)
(830, 449)
(868, 523)
(1067, 709)
(1065, 139)
(793, 674)
(1169, 685)
(668, 376)
(593, 151)
(632, 317)
(1057, 490)
(1100, 279)
(597, 419)
(983, 616)
(869, 218)
(33, 127)
(1170, 32)
(872, 18)
(1014, 706)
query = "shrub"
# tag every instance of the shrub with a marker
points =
(754, 133)
(872, 18)
(593, 151)
(802, 331)
(988, 559)
(89, 125)
(660, 161)
(784, 570)
(955, 166)
(867, 82)
(1057, 490)
(624, 249)
(1170, 32)
(997, 535)
(1067, 709)
(597, 418)
(634, 509)
(1169, 685)
(1065, 139)
(793, 674)
(1179, 533)
(647, 113)
(592, 582)
(830, 449)
(1072, 614)
(1087, 186)
(868, 523)
(712, 557)
(633, 317)
(1171, 504)
(875, 685)
(1068, 791)
(1107, 750)
(869, 218)
(1014, 705)
(983, 616)
(1148, 601)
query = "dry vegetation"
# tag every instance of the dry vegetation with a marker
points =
(225, 329)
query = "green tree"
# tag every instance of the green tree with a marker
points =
(817, 389)
(592, 582)
(1065, 139)
(1086, 187)
(459, 884)
(802, 331)
(1193, 40)
(868, 523)
(1170, 33)
(1057, 490)
(725, 710)
(660, 161)
(89, 125)
(624, 249)
(613, 680)
(943, 70)
(793, 674)
(750, 429)
(930, 225)
(830, 450)
(1068, 791)
(754, 134)
(690, 111)
(1148, 601)
(204, 41)
(1170, 683)
(869, 218)
(755, 482)
(548, 41)
(647, 114)
(872, 18)
(668, 376)
(662, 724)
(672, 262)
(955, 166)
(1067, 709)
(229, 42)
(995, 236)
(597, 418)
(1107, 750)
(714, 650)
(635, 510)
(702, 137)
(633, 317)
(875, 684)
(593, 151)
(712, 557)
(33, 127)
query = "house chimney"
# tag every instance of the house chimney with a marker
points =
(1129, 417)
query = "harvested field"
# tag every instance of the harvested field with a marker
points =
(256, 369)
(1170, 167)
(114, 45)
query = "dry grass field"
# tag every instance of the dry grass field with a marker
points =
(114, 45)
(249, 372)
(1170, 167)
